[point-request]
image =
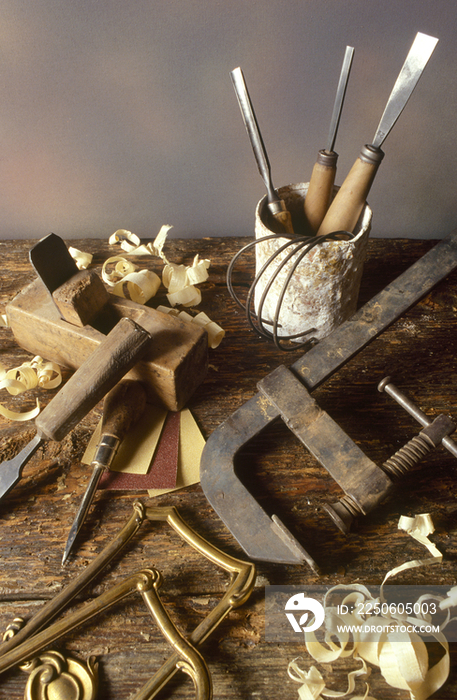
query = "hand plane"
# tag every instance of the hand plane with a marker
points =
(285, 393)
(50, 317)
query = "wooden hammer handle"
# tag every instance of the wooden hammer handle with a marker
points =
(348, 204)
(104, 368)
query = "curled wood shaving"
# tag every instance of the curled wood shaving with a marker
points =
(82, 260)
(313, 682)
(187, 296)
(419, 528)
(130, 242)
(36, 372)
(122, 267)
(140, 286)
(400, 654)
(179, 280)
(215, 332)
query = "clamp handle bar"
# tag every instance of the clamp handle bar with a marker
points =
(387, 386)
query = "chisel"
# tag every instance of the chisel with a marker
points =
(275, 204)
(104, 368)
(122, 407)
(320, 188)
(348, 204)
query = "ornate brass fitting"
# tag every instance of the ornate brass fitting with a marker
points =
(29, 641)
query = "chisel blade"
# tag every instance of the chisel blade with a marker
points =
(252, 127)
(52, 262)
(418, 56)
(340, 95)
(275, 204)
(11, 470)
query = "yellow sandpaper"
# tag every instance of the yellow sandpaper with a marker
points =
(137, 449)
(191, 444)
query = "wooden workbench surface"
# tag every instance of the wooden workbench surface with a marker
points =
(418, 351)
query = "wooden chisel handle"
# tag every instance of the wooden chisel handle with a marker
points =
(104, 368)
(348, 204)
(319, 195)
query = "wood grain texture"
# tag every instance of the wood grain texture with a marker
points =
(418, 351)
(81, 298)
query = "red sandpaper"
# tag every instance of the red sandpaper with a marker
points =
(162, 473)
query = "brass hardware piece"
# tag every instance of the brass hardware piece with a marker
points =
(30, 641)
(54, 676)
(13, 628)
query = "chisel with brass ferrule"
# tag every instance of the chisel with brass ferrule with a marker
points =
(122, 407)
(275, 204)
(348, 204)
(318, 197)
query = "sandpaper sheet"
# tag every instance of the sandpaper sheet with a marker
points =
(163, 470)
(191, 444)
(141, 446)
(138, 447)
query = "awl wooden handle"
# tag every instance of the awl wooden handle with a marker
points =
(319, 195)
(122, 407)
(347, 206)
(104, 368)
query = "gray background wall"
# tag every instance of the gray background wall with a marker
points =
(121, 114)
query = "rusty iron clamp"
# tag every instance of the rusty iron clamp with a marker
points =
(263, 537)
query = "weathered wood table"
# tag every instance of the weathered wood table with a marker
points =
(418, 351)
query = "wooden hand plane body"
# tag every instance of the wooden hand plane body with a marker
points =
(172, 368)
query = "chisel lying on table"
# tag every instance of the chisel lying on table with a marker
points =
(104, 368)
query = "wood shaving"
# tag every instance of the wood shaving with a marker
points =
(82, 260)
(419, 528)
(122, 267)
(138, 286)
(179, 280)
(401, 655)
(36, 372)
(130, 242)
(214, 331)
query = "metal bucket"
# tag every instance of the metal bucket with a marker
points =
(323, 289)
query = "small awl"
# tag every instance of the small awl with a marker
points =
(348, 204)
(275, 204)
(122, 407)
(106, 366)
(320, 190)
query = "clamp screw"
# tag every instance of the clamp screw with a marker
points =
(435, 432)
